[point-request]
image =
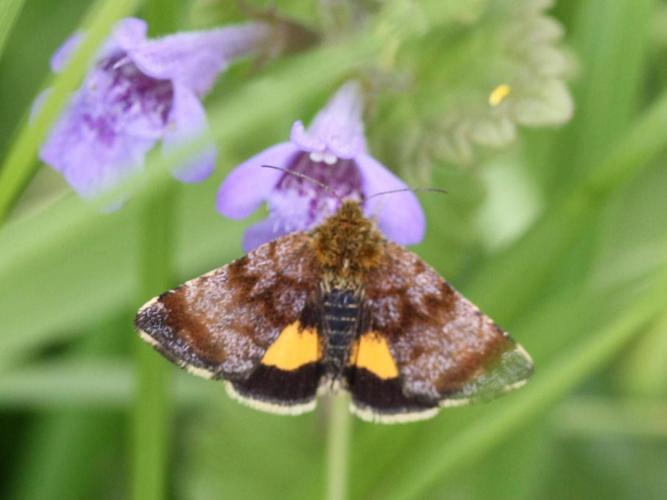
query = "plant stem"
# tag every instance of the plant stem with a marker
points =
(152, 404)
(338, 439)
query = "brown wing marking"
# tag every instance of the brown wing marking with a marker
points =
(446, 350)
(221, 324)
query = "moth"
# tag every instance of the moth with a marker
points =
(336, 308)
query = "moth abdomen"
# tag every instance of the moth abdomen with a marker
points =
(340, 326)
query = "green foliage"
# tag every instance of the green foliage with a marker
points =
(9, 11)
(561, 237)
(455, 70)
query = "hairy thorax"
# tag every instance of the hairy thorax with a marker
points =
(347, 246)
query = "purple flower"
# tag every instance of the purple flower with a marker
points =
(333, 151)
(141, 91)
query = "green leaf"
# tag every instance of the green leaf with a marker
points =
(500, 68)
(90, 384)
(590, 417)
(230, 447)
(611, 39)
(9, 13)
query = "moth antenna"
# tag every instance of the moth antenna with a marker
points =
(307, 178)
(414, 190)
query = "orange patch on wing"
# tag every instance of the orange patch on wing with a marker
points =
(294, 347)
(372, 353)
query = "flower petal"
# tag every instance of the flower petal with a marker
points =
(134, 103)
(249, 184)
(63, 54)
(130, 33)
(195, 59)
(339, 125)
(400, 216)
(260, 233)
(304, 141)
(91, 157)
(187, 122)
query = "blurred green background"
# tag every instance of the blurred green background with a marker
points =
(555, 225)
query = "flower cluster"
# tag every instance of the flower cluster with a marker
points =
(141, 92)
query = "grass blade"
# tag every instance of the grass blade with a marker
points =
(9, 13)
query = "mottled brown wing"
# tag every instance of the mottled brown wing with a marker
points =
(447, 352)
(221, 324)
